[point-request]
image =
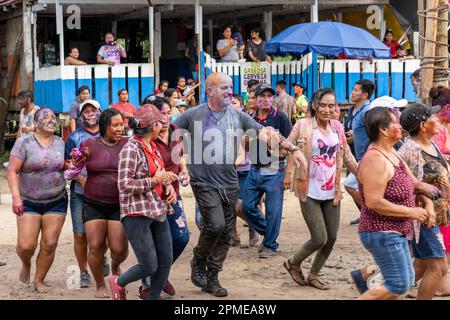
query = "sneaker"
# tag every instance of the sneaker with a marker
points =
(106, 267)
(354, 222)
(143, 293)
(267, 253)
(117, 292)
(169, 289)
(85, 279)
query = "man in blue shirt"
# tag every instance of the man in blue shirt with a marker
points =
(360, 97)
(266, 175)
(90, 114)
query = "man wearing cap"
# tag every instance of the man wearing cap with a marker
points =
(266, 175)
(284, 102)
(90, 114)
(215, 132)
(300, 100)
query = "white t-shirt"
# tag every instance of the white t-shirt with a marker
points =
(322, 167)
(232, 55)
(26, 120)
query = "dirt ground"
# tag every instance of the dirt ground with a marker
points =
(245, 275)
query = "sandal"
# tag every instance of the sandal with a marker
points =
(296, 274)
(316, 283)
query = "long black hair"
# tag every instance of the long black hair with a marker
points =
(317, 96)
(105, 119)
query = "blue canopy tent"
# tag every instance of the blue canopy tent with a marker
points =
(327, 38)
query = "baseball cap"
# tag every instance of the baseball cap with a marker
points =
(263, 87)
(388, 102)
(298, 83)
(414, 114)
(91, 102)
(148, 115)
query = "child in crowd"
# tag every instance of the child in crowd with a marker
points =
(162, 88)
(189, 92)
(237, 36)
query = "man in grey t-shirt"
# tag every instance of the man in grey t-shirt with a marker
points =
(215, 132)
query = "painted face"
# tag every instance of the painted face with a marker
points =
(236, 104)
(167, 112)
(46, 121)
(222, 92)
(432, 126)
(394, 130)
(115, 129)
(90, 116)
(444, 114)
(227, 33)
(123, 96)
(182, 82)
(84, 95)
(357, 94)
(265, 100)
(74, 53)
(157, 127)
(326, 108)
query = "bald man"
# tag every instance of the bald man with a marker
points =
(215, 132)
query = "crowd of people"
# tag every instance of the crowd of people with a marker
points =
(125, 165)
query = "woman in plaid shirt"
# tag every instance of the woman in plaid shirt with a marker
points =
(145, 197)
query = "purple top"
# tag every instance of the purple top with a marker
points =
(399, 190)
(102, 170)
(41, 177)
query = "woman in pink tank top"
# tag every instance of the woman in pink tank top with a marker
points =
(389, 193)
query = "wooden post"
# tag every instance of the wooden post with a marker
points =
(151, 34)
(421, 7)
(441, 64)
(427, 65)
(27, 75)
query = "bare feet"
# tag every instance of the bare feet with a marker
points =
(443, 293)
(24, 275)
(412, 293)
(102, 292)
(41, 287)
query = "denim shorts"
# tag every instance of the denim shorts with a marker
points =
(391, 253)
(351, 181)
(431, 244)
(57, 206)
(76, 211)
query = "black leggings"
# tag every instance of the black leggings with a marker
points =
(152, 244)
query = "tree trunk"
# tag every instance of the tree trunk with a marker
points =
(427, 64)
(9, 86)
(441, 65)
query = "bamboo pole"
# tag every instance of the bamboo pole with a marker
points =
(427, 65)
(441, 64)
(421, 7)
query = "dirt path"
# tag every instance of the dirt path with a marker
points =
(245, 275)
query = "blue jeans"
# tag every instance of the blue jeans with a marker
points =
(391, 253)
(76, 211)
(262, 181)
(178, 229)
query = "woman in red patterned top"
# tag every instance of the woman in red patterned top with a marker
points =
(389, 192)
(145, 197)
(390, 42)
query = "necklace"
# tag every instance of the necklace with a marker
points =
(217, 119)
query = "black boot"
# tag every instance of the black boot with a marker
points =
(198, 272)
(213, 285)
